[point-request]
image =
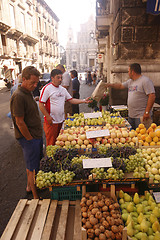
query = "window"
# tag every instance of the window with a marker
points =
(23, 21)
(91, 62)
(74, 64)
(12, 16)
(30, 25)
(39, 24)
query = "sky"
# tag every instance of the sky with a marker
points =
(71, 13)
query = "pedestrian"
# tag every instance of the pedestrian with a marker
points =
(51, 104)
(89, 78)
(86, 77)
(66, 83)
(76, 87)
(80, 78)
(27, 124)
(141, 95)
(94, 77)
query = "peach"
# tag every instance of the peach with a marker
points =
(137, 130)
(146, 144)
(152, 134)
(148, 139)
(155, 139)
(153, 125)
(141, 125)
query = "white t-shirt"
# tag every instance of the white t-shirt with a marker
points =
(138, 91)
(67, 82)
(54, 99)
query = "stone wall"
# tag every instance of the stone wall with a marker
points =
(135, 38)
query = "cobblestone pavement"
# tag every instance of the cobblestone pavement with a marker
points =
(12, 168)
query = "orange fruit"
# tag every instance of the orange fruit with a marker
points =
(136, 134)
(146, 144)
(155, 139)
(143, 137)
(148, 139)
(152, 144)
(141, 125)
(137, 130)
(141, 142)
(158, 143)
(152, 134)
(158, 133)
(142, 131)
(153, 125)
(150, 129)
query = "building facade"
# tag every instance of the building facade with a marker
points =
(82, 55)
(28, 35)
(126, 33)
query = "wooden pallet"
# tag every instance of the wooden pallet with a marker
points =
(45, 220)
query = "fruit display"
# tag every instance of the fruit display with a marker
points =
(76, 136)
(107, 117)
(101, 217)
(141, 216)
(148, 137)
(152, 162)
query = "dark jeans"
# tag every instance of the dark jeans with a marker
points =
(134, 122)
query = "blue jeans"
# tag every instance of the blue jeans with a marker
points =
(134, 122)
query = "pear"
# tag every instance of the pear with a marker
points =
(144, 226)
(156, 212)
(147, 196)
(130, 230)
(155, 226)
(124, 211)
(136, 198)
(140, 208)
(139, 235)
(157, 236)
(130, 207)
(140, 218)
(153, 218)
(121, 201)
(129, 219)
(153, 205)
(125, 216)
(134, 214)
(151, 237)
(150, 231)
(145, 203)
(150, 200)
(144, 236)
(121, 194)
(127, 198)
(137, 227)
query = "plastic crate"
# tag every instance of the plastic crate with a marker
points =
(66, 193)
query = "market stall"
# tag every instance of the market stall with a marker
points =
(107, 172)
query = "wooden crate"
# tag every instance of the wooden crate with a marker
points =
(44, 220)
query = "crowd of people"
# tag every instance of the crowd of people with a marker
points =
(60, 97)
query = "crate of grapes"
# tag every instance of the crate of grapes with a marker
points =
(71, 193)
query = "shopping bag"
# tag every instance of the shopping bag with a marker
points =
(99, 91)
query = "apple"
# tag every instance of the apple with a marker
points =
(125, 134)
(67, 143)
(122, 140)
(116, 140)
(57, 143)
(82, 137)
(113, 135)
(70, 138)
(73, 142)
(86, 142)
(110, 140)
(79, 141)
(61, 143)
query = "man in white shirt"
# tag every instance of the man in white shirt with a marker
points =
(51, 104)
(66, 83)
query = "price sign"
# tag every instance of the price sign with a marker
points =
(157, 196)
(119, 107)
(97, 162)
(92, 115)
(97, 133)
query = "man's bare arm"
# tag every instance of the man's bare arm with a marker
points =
(45, 113)
(23, 128)
(115, 85)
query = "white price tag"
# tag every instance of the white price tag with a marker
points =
(97, 162)
(119, 107)
(97, 133)
(92, 115)
(157, 196)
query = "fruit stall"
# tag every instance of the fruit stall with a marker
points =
(104, 180)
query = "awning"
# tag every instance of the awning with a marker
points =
(153, 7)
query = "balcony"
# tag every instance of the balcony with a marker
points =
(103, 14)
(4, 27)
(30, 38)
(15, 33)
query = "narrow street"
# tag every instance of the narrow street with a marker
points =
(12, 167)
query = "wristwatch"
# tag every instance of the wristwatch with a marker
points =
(146, 112)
